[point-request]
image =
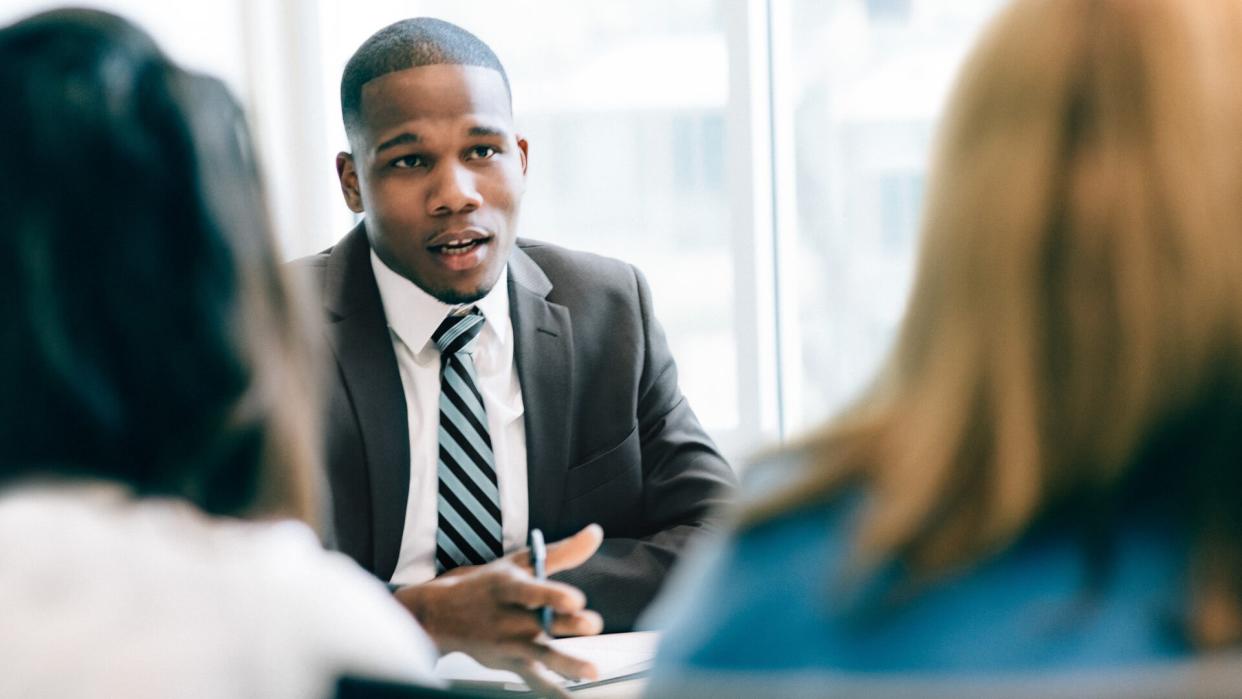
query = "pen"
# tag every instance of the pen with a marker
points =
(538, 563)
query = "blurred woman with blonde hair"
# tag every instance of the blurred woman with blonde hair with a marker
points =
(1045, 480)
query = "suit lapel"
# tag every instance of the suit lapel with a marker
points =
(360, 340)
(543, 348)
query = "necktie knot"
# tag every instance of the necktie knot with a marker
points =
(458, 332)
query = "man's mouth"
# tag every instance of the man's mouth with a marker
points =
(459, 246)
(462, 251)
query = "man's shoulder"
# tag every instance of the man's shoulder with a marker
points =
(315, 263)
(349, 250)
(311, 273)
(578, 269)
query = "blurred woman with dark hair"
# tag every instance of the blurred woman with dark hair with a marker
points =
(1041, 494)
(157, 397)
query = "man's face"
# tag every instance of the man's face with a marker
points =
(440, 174)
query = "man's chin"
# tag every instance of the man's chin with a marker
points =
(454, 297)
(460, 290)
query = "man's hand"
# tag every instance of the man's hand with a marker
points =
(489, 612)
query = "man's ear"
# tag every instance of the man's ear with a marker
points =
(522, 146)
(348, 175)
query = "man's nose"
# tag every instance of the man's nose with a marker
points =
(454, 191)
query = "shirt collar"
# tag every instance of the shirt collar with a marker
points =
(414, 315)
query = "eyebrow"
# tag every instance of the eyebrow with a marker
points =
(410, 137)
(486, 131)
(399, 139)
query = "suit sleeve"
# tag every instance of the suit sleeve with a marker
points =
(686, 483)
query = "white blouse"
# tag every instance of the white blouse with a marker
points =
(102, 594)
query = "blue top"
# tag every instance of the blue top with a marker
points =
(774, 599)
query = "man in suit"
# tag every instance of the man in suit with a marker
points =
(487, 385)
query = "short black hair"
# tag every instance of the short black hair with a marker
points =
(411, 43)
(147, 333)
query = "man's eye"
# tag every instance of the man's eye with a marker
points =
(409, 161)
(481, 152)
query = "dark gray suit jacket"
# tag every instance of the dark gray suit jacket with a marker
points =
(609, 436)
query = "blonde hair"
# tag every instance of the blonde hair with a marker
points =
(1079, 293)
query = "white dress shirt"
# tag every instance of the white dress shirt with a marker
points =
(413, 315)
(106, 595)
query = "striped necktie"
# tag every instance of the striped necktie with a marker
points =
(468, 502)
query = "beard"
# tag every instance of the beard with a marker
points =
(456, 297)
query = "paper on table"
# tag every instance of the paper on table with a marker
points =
(616, 655)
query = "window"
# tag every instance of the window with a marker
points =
(761, 161)
(860, 87)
